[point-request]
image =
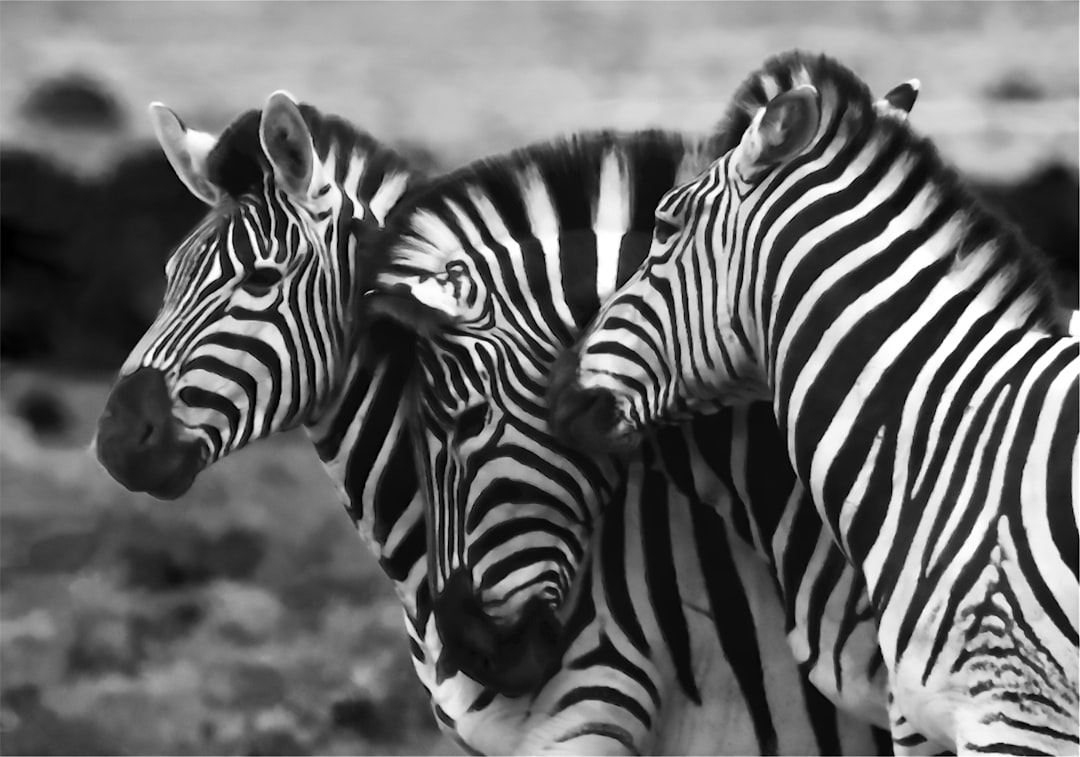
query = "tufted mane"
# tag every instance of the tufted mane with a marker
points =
(237, 164)
(1025, 269)
(569, 169)
(783, 72)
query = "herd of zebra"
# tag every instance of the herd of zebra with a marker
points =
(761, 442)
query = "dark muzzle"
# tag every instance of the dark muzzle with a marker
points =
(513, 660)
(138, 439)
(586, 419)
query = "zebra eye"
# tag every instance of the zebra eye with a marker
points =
(471, 422)
(261, 280)
(664, 229)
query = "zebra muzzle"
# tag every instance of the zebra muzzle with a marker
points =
(138, 440)
(589, 419)
(513, 660)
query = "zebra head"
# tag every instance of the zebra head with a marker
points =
(682, 335)
(510, 509)
(255, 328)
(495, 269)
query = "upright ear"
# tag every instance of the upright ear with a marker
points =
(286, 141)
(900, 99)
(780, 130)
(186, 150)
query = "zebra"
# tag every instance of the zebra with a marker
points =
(493, 269)
(833, 263)
(259, 331)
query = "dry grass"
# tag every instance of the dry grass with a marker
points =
(243, 618)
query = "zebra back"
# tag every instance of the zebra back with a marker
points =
(512, 256)
(919, 370)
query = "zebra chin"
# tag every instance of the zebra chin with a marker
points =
(513, 660)
(139, 441)
(591, 419)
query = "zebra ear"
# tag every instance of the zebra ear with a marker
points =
(780, 130)
(900, 99)
(286, 141)
(186, 150)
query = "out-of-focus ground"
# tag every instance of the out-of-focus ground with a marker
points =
(247, 617)
(244, 618)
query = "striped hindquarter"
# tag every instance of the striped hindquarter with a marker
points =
(919, 369)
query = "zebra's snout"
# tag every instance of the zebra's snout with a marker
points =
(587, 418)
(138, 440)
(513, 660)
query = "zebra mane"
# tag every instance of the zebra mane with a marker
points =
(784, 72)
(237, 163)
(998, 243)
(419, 238)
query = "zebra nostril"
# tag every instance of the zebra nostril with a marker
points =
(137, 414)
(598, 407)
(145, 435)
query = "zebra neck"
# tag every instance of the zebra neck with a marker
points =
(881, 221)
(880, 348)
(841, 276)
(364, 444)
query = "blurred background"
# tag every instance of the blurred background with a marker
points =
(247, 617)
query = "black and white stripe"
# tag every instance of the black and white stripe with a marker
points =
(517, 253)
(503, 263)
(354, 405)
(250, 336)
(919, 370)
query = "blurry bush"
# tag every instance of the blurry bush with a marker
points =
(88, 220)
(1015, 86)
(87, 223)
(1044, 206)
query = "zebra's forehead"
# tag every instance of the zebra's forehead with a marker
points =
(222, 244)
(429, 241)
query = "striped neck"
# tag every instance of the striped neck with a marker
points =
(900, 234)
(868, 265)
